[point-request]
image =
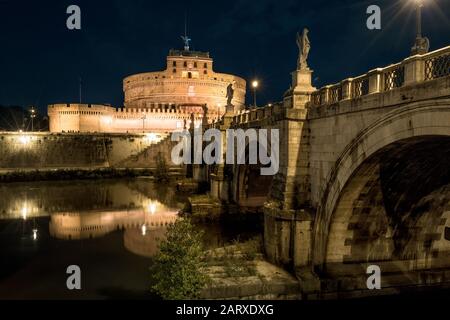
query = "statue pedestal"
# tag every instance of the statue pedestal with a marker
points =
(301, 80)
(300, 92)
(229, 109)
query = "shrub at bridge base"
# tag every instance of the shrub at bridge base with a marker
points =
(176, 272)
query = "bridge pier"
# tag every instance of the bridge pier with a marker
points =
(287, 223)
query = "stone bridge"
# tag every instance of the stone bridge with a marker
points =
(364, 178)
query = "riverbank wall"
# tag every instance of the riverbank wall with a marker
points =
(78, 150)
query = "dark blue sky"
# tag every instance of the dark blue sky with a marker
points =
(41, 60)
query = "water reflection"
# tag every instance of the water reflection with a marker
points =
(89, 210)
(109, 228)
(141, 224)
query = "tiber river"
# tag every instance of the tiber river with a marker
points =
(109, 228)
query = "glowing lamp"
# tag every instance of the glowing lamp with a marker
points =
(24, 139)
(24, 213)
(152, 208)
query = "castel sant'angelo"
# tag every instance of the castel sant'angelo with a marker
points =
(161, 101)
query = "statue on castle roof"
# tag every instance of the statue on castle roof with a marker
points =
(186, 41)
(304, 46)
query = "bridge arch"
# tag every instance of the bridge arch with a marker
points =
(251, 189)
(388, 195)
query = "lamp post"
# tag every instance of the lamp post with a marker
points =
(254, 86)
(422, 44)
(33, 115)
(419, 5)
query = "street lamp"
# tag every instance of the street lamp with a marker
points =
(254, 86)
(419, 5)
(33, 115)
(422, 44)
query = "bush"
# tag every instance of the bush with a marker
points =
(177, 267)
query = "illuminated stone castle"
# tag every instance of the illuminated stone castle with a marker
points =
(157, 101)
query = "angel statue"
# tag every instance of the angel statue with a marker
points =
(230, 93)
(304, 46)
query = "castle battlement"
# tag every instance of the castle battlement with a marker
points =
(104, 118)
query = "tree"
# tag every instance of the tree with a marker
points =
(176, 272)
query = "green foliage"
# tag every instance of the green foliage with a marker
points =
(238, 259)
(177, 267)
(162, 171)
(251, 249)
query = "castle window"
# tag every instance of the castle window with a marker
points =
(174, 70)
(205, 72)
(195, 64)
(174, 64)
(185, 64)
(205, 66)
(190, 75)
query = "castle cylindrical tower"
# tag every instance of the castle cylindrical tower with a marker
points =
(189, 78)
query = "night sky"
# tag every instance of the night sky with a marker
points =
(41, 60)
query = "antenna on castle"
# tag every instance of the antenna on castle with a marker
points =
(185, 38)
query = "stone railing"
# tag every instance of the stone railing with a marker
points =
(247, 116)
(418, 68)
(256, 114)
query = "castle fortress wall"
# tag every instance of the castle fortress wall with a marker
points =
(101, 118)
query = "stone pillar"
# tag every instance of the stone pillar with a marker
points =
(286, 232)
(346, 88)
(199, 173)
(291, 183)
(301, 89)
(220, 183)
(374, 80)
(414, 70)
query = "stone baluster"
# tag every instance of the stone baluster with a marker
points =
(346, 88)
(375, 76)
(414, 69)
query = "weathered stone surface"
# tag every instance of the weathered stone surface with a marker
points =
(73, 150)
(271, 282)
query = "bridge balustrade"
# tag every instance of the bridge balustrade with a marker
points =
(437, 66)
(414, 69)
(360, 86)
(394, 77)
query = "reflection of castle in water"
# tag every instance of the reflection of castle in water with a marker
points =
(143, 227)
(89, 209)
(144, 244)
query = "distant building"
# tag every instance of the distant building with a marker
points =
(157, 101)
